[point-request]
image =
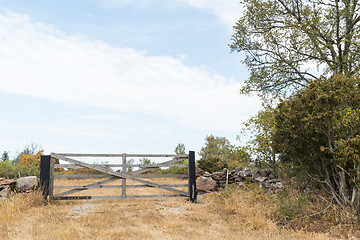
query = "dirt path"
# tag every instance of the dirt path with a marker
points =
(138, 219)
(162, 218)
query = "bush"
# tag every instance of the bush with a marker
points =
(317, 135)
(7, 170)
(212, 163)
(218, 154)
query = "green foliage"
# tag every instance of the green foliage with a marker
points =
(180, 149)
(31, 169)
(7, 170)
(31, 149)
(281, 39)
(26, 163)
(218, 154)
(213, 155)
(238, 156)
(130, 161)
(289, 207)
(215, 146)
(261, 127)
(317, 134)
(145, 161)
(213, 164)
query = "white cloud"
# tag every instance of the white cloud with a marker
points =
(38, 60)
(228, 11)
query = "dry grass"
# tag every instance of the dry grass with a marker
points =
(228, 215)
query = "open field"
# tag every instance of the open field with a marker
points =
(165, 218)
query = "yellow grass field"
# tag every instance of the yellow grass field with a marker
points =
(27, 217)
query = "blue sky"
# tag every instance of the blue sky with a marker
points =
(113, 76)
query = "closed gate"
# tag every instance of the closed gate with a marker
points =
(48, 166)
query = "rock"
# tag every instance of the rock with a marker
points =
(24, 184)
(199, 172)
(5, 193)
(279, 185)
(246, 173)
(241, 184)
(261, 179)
(7, 182)
(238, 169)
(264, 172)
(202, 198)
(205, 184)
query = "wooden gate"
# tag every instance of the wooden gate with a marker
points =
(47, 176)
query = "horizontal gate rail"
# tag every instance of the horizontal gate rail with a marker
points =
(74, 166)
(183, 157)
(115, 186)
(135, 175)
(113, 197)
(47, 180)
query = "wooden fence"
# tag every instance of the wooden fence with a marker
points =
(48, 166)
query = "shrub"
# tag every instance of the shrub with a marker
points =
(317, 135)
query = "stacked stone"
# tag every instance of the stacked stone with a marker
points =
(23, 184)
(5, 187)
(208, 182)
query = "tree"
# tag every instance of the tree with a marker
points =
(317, 134)
(261, 126)
(284, 40)
(5, 156)
(145, 161)
(180, 149)
(213, 155)
(31, 149)
(215, 146)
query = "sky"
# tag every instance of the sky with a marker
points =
(119, 76)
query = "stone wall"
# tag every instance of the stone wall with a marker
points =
(20, 185)
(208, 182)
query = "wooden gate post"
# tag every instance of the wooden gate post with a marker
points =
(123, 170)
(47, 176)
(192, 177)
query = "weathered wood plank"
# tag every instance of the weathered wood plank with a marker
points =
(123, 181)
(115, 186)
(52, 174)
(144, 170)
(117, 174)
(71, 197)
(74, 166)
(160, 175)
(118, 155)
(82, 176)
(139, 196)
(113, 197)
(156, 165)
(135, 175)
(109, 180)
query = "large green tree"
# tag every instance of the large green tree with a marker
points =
(284, 41)
(317, 134)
